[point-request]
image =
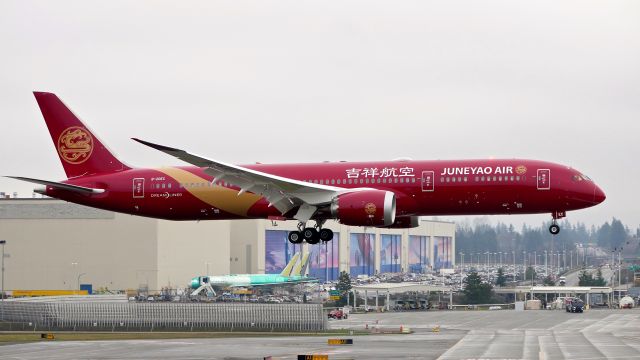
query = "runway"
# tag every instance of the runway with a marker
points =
(596, 334)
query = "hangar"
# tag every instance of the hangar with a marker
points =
(52, 244)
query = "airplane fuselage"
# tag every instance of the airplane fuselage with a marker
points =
(422, 188)
(249, 280)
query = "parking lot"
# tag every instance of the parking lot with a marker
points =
(595, 334)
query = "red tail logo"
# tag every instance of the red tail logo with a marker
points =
(75, 145)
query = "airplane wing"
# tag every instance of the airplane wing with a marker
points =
(59, 185)
(281, 192)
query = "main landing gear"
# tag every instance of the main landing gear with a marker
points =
(312, 235)
(554, 229)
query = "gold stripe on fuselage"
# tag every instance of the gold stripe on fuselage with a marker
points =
(217, 196)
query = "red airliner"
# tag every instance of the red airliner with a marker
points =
(391, 194)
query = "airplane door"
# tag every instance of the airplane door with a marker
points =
(427, 180)
(544, 179)
(138, 188)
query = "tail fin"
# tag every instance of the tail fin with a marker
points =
(80, 151)
(287, 269)
(301, 268)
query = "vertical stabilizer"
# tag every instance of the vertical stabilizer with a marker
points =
(287, 269)
(301, 268)
(80, 151)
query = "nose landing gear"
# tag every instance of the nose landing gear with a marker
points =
(312, 235)
(554, 229)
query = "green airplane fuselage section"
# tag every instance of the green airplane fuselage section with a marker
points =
(247, 280)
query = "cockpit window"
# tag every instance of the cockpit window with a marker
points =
(580, 177)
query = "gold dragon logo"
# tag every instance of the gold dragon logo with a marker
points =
(75, 145)
(521, 169)
(370, 208)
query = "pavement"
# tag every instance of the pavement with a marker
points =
(500, 334)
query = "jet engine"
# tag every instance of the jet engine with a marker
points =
(365, 208)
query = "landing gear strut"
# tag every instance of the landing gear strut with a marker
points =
(312, 235)
(554, 229)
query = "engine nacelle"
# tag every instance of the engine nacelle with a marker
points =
(405, 222)
(365, 208)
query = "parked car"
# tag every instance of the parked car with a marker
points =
(575, 305)
(337, 314)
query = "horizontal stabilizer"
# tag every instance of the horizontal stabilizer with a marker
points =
(59, 185)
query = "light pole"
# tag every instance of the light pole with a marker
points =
(514, 265)
(462, 260)
(79, 275)
(546, 269)
(3, 243)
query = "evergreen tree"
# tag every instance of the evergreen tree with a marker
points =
(529, 274)
(344, 286)
(475, 291)
(548, 281)
(501, 280)
(599, 280)
(344, 282)
(617, 234)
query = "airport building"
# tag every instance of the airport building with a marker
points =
(52, 244)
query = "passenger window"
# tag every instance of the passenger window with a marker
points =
(333, 181)
(350, 181)
(499, 178)
(361, 181)
(448, 179)
(482, 178)
(465, 179)
(453, 179)
(494, 178)
(518, 178)
(169, 185)
(442, 179)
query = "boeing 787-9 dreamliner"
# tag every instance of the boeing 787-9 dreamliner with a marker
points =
(392, 194)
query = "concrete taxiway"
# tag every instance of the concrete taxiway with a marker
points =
(596, 334)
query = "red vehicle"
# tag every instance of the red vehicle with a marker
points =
(337, 314)
(376, 194)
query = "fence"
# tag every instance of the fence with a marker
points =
(162, 316)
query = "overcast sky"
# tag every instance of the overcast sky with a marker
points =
(305, 81)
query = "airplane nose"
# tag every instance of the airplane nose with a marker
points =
(598, 194)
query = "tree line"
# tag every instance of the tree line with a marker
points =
(482, 237)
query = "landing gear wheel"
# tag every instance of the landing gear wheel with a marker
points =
(554, 229)
(326, 235)
(295, 237)
(311, 235)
